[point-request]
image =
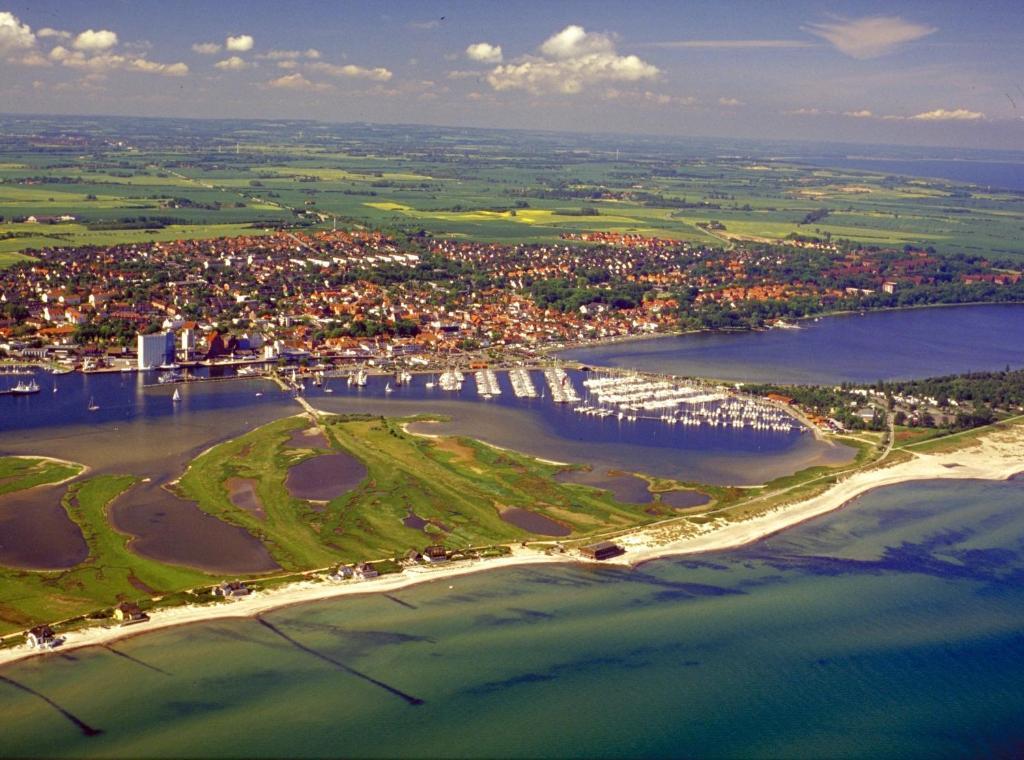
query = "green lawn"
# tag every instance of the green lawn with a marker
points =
(458, 485)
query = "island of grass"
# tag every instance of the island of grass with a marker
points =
(20, 473)
(417, 491)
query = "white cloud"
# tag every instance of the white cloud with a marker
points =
(290, 55)
(152, 67)
(484, 52)
(730, 102)
(207, 48)
(31, 58)
(863, 113)
(871, 36)
(58, 33)
(287, 64)
(94, 41)
(941, 114)
(234, 63)
(804, 112)
(104, 62)
(296, 82)
(241, 43)
(571, 60)
(574, 41)
(14, 35)
(351, 71)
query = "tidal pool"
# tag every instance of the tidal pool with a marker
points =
(36, 532)
(325, 477)
(533, 522)
(175, 530)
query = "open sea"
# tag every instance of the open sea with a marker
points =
(1003, 174)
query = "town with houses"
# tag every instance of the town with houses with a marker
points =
(335, 296)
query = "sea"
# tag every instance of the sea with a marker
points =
(856, 348)
(999, 175)
(890, 627)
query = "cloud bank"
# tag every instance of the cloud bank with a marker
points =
(568, 63)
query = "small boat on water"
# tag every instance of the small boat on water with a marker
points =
(24, 389)
(63, 371)
(93, 406)
(387, 387)
(176, 397)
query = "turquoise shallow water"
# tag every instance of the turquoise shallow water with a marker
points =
(892, 627)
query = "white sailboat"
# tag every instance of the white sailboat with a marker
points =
(176, 397)
(93, 406)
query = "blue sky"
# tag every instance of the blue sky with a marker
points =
(929, 73)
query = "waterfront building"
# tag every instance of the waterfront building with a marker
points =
(155, 349)
(602, 550)
(127, 613)
(365, 570)
(230, 589)
(188, 340)
(435, 553)
(41, 637)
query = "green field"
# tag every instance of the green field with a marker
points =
(502, 187)
(456, 483)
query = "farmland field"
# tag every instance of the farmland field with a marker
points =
(159, 181)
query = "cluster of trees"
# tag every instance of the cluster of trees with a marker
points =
(565, 295)
(115, 331)
(369, 328)
(747, 315)
(814, 216)
(1001, 390)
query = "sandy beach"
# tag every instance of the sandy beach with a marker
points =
(996, 456)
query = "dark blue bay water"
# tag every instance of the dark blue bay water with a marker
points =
(1005, 175)
(145, 419)
(912, 343)
(894, 627)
